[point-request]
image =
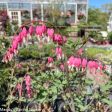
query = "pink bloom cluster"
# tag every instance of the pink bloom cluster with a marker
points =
(62, 67)
(50, 33)
(50, 60)
(83, 63)
(27, 80)
(80, 51)
(74, 62)
(19, 88)
(17, 40)
(28, 85)
(59, 53)
(19, 65)
(31, 30)
(40, 31)
(59, 39)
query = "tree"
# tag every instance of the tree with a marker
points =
(98, 17)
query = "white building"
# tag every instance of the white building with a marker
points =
(21, 10)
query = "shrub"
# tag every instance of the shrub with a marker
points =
(60, 75)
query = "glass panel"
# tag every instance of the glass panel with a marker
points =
(81, 11)
(48, 12)
(19, 6)
(59, 14)
(3, 6)
(70, 13)
(36, 8)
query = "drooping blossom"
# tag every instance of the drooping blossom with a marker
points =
(84, 63)
(100, 66)
(19, 88)
(92, 66)
(70, 61)
(50, 60)
(13, 49)
(62, 67)
(28, 85)
(64, 39)
(31, 30)
(59, 53)
(58, 39)
(9, 54)
(19, 38)
(19, 65)
(77, 62)
(24, 32)
(40, 30)
(14, 46)
(74, 62)
(50, 32)
(104, 67)
(44, 28)
(7, 57)
(80, 51)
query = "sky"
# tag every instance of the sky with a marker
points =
(98, 3)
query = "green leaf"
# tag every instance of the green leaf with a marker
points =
(106, 87)
(44, 93)
(54, 89)
(107, 101)
(64, 82)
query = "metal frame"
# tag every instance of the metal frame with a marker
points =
(31, 2)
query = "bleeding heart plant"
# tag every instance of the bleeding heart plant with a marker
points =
(48, 77)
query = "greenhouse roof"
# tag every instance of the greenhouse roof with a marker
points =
(74, 1)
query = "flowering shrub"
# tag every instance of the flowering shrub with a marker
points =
(62, 76)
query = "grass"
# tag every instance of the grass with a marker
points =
(103, 54)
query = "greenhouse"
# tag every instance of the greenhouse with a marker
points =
(21, 10)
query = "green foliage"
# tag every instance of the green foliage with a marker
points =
(78, 92)
(110, 36)
(11, 28)
(97, 36)
(34, 52)
(103, 54)
(4, 69)
(9, 31)
(97, 17)
(71, 47)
